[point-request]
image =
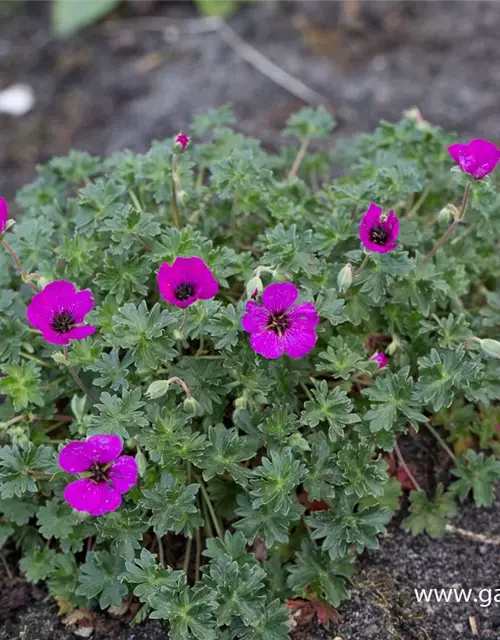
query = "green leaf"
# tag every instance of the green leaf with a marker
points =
(118, 415)
(394, 402)
(21, 382)
(124, 529)
(99, 579)
(240, 590)
(225, 451)
(56, 519)
(476, 473)
(38, 565)
(274, 482)
(315, 570)
(331, 406)
(173, 505)
(345, 524)
(150, 577)
(220, 8)
(189, 612)
(69, 16)
(343, 357)
(265, 522)
(430, 516)
(310, 123)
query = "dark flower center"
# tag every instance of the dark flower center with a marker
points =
(279, 324)
(184, 291)
(100, 474)
(379, 235)
(62, 322)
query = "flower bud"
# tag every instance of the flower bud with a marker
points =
(344, 279)
(181, 141)
(393, 346)
(190, 405)
(59, 357)
(141, 462)
(448, 213)
(490, 347)
(297, 441)
(157, 389)
(254, 287)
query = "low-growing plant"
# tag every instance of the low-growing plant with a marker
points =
(209, 353)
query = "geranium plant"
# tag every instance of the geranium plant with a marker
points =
(208, 355)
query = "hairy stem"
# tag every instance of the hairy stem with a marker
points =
(206, 497)
(402, 462)
(441, 442)
(363, 264)
(298, 160)
(449, 232)
(76, 377)
(176, 216)
(25, 276)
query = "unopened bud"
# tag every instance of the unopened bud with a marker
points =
(254, 287)
(448, 213)
(344, 279)
(59, 357)
(181, 141)
(490, 347)
(394, 346)
(141, 461)
(297, 441)
(190, 405)
(157, 389)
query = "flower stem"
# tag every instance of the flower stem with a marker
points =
(363, 264)
(198, 555)
(180, 383)
(298, 160)
(441, 442)
(416, 207)
(451, 228)
(37, 360)
(187, 557)
(305, 390)
(402, 462)
(25, 276)
(211, 509)
(135, 201)
(161, 551)
(176, 216)
(75, 376)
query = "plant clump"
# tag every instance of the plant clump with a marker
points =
(210, 352)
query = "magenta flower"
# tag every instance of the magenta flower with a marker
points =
(106, 474)
(58, 311)
(277, 327)
(478, 158)
(381, 358)
(186, 281)
(182, 141)
(379, 232)
(4, 215)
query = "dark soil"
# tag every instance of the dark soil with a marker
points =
(129, 80)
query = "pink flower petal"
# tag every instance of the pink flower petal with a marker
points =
(478, 158)
(79, 333)
(305, 313)
(95, 498)
(4, 214)
(76, 457)
(256, 318)
(380, 358)
(106, 448)
(267, 344)
(192, 271)
(299, 341)
(371, 220)
(279, 297)
(54, 337)
(123, 473)
(82, 303)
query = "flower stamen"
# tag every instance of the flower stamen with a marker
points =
(63, 321)
(184, 291)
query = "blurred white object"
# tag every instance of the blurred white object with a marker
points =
(17, 99)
